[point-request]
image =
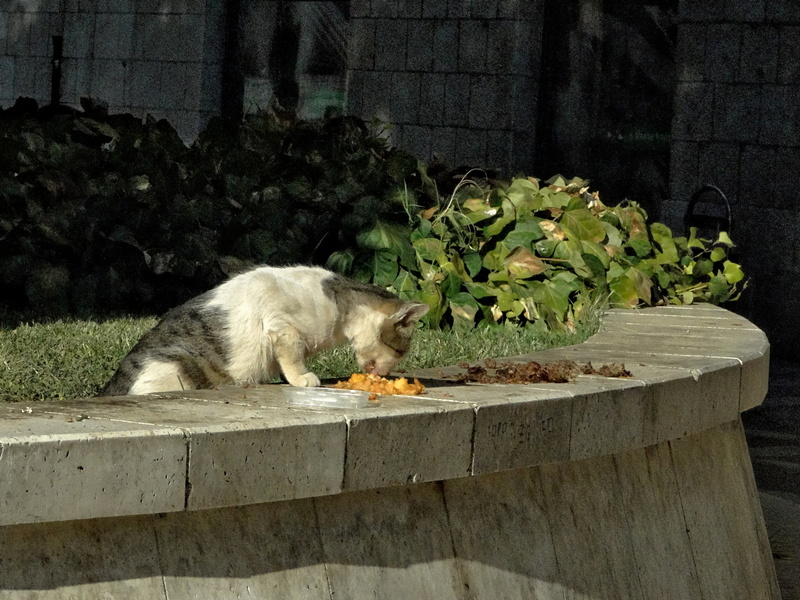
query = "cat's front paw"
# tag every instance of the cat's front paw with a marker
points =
(304, 380)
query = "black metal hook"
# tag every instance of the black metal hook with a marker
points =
(715, 223)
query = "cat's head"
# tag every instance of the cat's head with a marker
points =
(381, 335)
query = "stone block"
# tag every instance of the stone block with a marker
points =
(759, 55)
(15, 33)
(789, 56)
(713, 469)
(113, 38)
(360, 9)
(434, 9)
(384, 9)
(523, 150)
(144, 83)
(409, 9)
(391, 37)
(499, 145)
(472, 39)
(408, 441)
(752, 11)
(483, 9)
(525, 49)
(180, 86)
(501, 43)
(684, 169)
(265, 551)
(459, 9)
(523, 10)
(524, 102)
(376, 96)
(108, 81)
(584, 505)
(780, 118)
(6, 78)
(505, 548)
(723, 47)
(755, 381)
(361, 49)
(444, 143)
(277, 455)
(432, 96)
(719, 164)
(76, 80)
(606, 421)
(647, 487)
(184, 37)
(445, 46)
(702, 10)
(490, 102)
(99, 470)
(79, 31)
(774, 167)
(28, 80)
(694, 112)
(92, 560)
(472, 148)
(690, 57)
(405, 97)
(40, 35)
(783, 11)
(456, 100)
(737, 111)
(521, 426)
(390, 543)
(420, 46)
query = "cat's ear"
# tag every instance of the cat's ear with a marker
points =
(409, 314)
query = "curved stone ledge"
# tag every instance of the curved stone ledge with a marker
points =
(693, 368)
(600, 488)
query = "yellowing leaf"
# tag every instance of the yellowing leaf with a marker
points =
(522, 263)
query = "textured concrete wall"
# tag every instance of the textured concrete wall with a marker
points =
(457, 78)
(160, 57)
(737, 124)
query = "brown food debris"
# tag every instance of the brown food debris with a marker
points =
(560, 371)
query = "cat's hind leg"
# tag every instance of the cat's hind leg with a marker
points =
(160, 376)
(290, 352)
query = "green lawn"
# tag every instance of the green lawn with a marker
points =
(72, 359)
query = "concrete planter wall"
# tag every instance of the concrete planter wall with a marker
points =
(601, 488)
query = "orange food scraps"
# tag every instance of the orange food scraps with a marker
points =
(369, 382)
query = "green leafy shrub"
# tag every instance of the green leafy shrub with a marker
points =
(530, 253)
(107, 213)
(104, 212)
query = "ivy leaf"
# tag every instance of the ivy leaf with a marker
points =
(473, 263)
(463, 307)
(718, 254)
(521, 263)
(581, 224)
(733, 272)
(662, 235)
(623, 293)
(405, 283)
(429, 248)
(385, 269)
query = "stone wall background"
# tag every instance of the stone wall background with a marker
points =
(162, 57)
(479, 82)
(457, 78)
(737, 124)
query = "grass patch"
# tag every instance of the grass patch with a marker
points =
(72, 359)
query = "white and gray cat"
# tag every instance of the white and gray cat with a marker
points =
(265, 321)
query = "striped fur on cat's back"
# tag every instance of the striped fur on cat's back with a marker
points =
(265, 321)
